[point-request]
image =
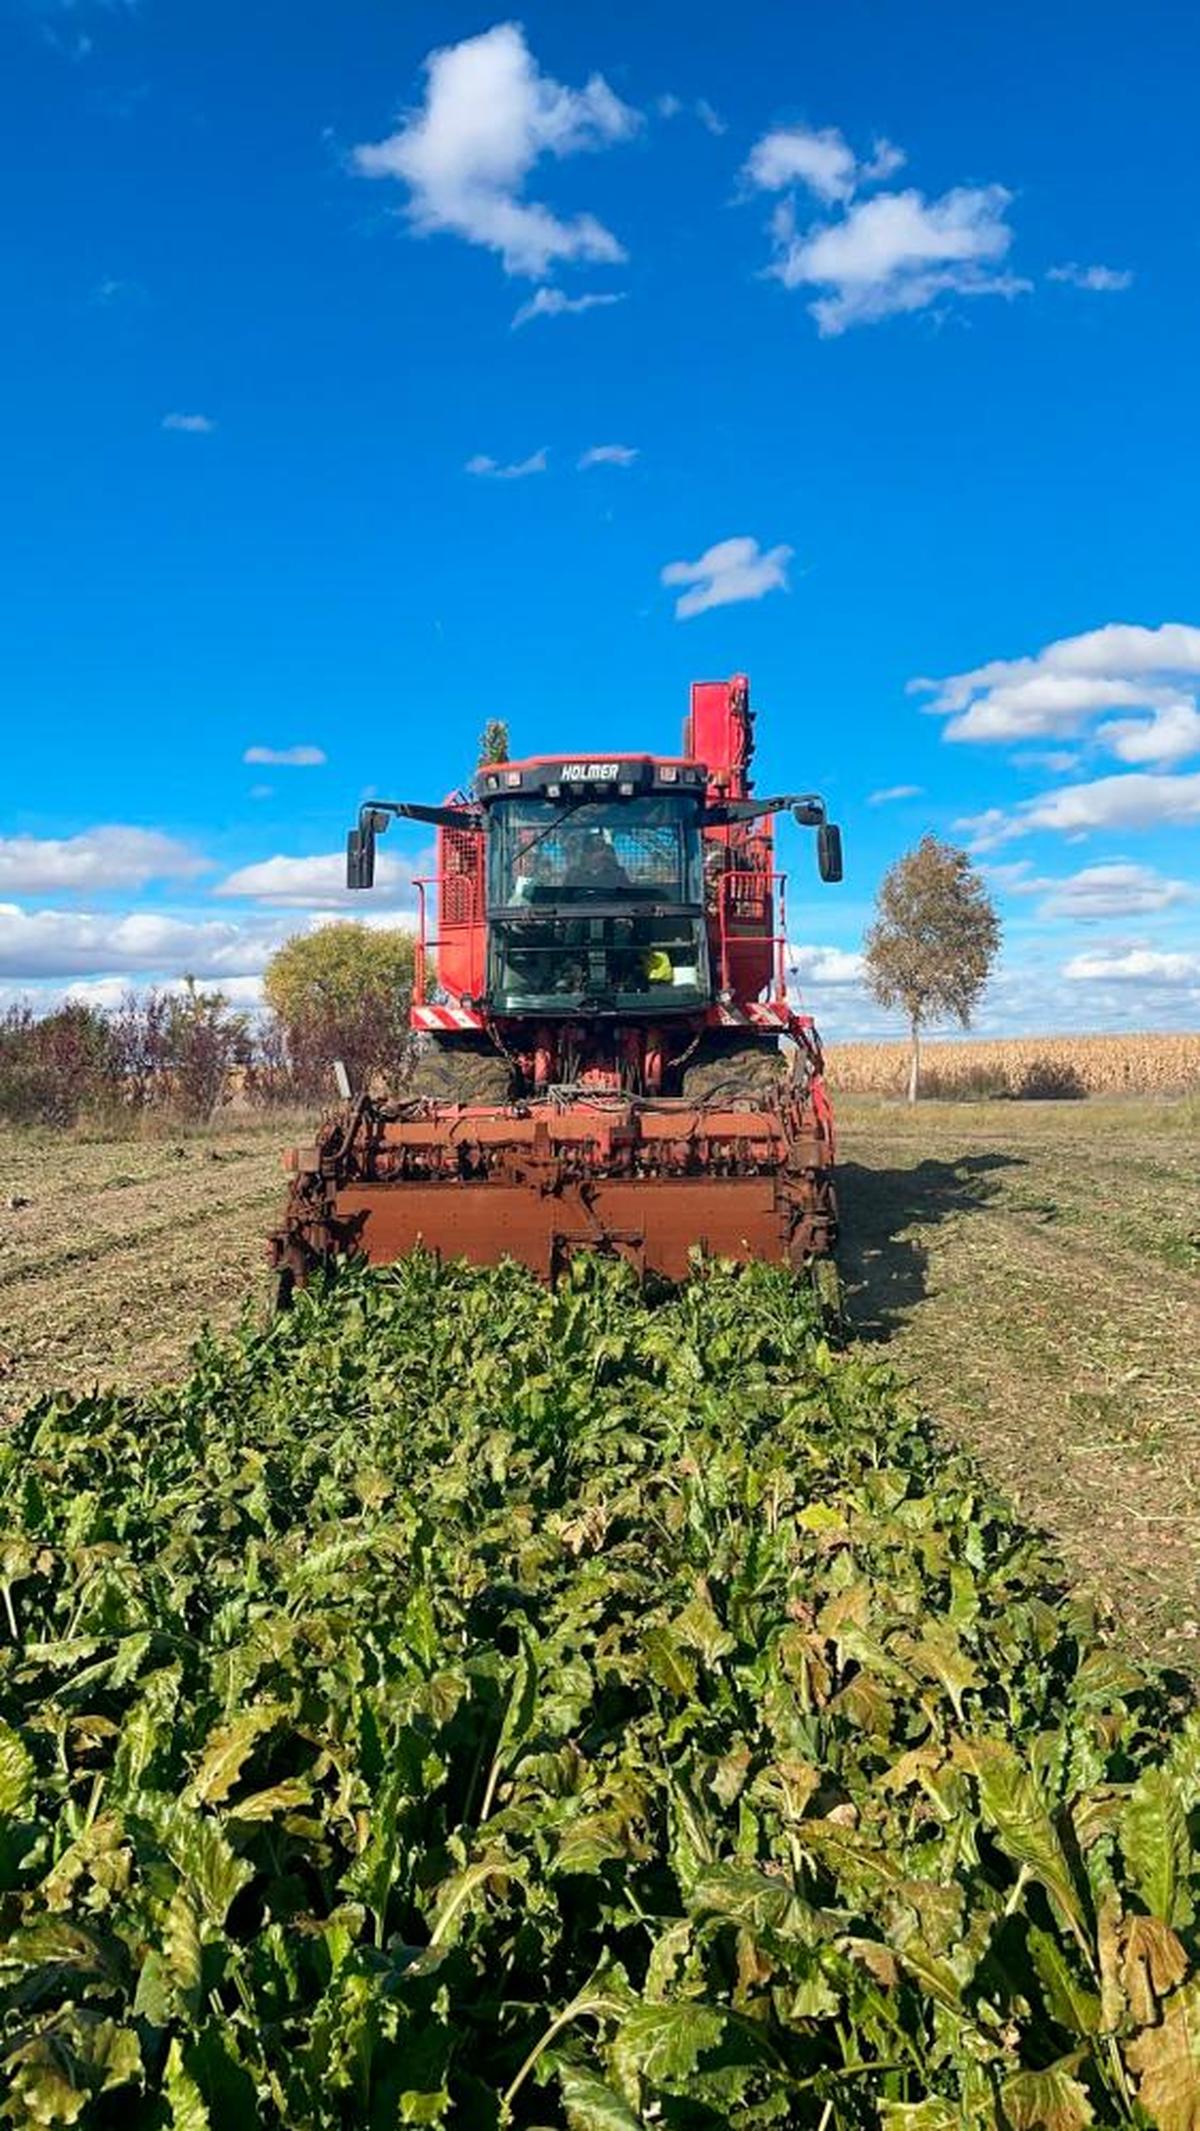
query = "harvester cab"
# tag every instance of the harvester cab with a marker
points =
(605, 1049)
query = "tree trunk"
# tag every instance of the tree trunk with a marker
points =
(914, 1063)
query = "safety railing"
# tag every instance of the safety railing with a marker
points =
(459, 907)
(751, 909)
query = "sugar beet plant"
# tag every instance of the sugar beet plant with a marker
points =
(462, 1704)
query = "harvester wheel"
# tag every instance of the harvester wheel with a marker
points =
(460, 1069)
(728, 1066)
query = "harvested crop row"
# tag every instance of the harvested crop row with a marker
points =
(465, 1704)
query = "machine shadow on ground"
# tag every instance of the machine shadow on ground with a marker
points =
(884, 1264)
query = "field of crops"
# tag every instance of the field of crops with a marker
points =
(1029, 1066)
(460, 1704)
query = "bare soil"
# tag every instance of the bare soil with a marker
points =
(1032, 1268)
(117, 1252)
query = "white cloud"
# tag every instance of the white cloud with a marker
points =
(192, 425)
(730, 571)
(554, 303)
(898, 253)
(877, 257)
(824, 965)
(110, 857)
(1059, 691)
(1133, 965)
(890, 792)
(1115, 890)
(488, 117)
(885, 160)
(319, 882)
(1139, 800)
(1171, 735)
(1026, 997)
(823, 161)
(670, 106)
(491, 469)
(1104, 279)
(68, 943)
(607, 455)
(106, 993)
(291, 758)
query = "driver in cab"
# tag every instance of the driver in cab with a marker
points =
(595, 864)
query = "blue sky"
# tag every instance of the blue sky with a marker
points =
(883, 322)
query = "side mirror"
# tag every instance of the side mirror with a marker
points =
(810, 813)
(829, 851)
(360, 857)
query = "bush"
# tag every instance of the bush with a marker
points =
(1051, 1080)
(171, 1053)
(54, 1067)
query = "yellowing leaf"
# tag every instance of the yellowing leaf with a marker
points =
(1166, 2061)
(1014, 1808)
(17, 1771)
(930, 2115)
(181, 1949)
(1049, 2100)
(591, 2106)
(1156, 1846)
(1154, 1963)
(668, 1664)
(664, 2043)
(819, 1517)
(227, 1748)
(188, 2112)
(1071, 2003)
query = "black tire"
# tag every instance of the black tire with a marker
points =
(460, 1069)
(734, 1066)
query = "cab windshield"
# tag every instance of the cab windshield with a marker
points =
(543, 852)
(597, 905)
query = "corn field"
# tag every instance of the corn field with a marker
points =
(1030, 1066)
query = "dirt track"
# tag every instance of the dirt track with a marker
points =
(1035, 1268)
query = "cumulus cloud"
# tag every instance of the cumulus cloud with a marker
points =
(190, 425)
(1133, 965)
(106, 993)
(1102, 279)
(824, 965)
(69, 943)
(288, 758)
(1062, 690)
(489, 116)
(1171, 735)
(1116, 890)
(875, 257)
(109, 857)
(730, 571)
(554, 303)
(1139, 800)
(319, 882)
(892, 792)
(606, 455)
(491, 470)
(823, 161)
